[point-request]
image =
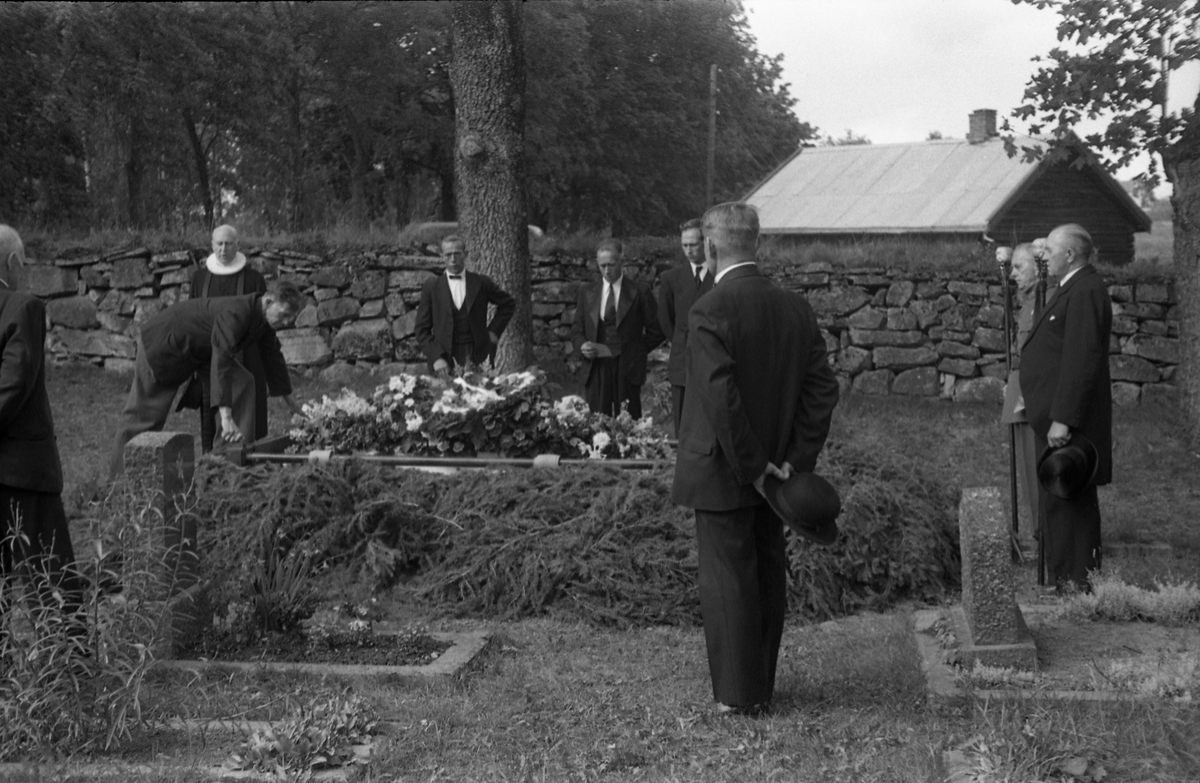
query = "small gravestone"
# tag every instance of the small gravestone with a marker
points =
(989, 625)
(159, 468)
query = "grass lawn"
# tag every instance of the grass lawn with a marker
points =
(552, 700)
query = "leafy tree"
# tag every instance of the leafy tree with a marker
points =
(41, 157)
(851, 139)
(1124, 54)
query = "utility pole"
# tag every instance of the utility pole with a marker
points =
(712, 135)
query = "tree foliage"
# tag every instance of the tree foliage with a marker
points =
(293, 116)
(1117, 67)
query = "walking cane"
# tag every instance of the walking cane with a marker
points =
(1004, 258)
(1039, 304)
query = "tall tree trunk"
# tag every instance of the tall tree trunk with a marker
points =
(136, 211)
(1183, 170)
(201, 161)
(487, 75)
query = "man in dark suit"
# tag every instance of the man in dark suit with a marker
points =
(760, 397)
(207, 335)
(1065, 380)
(34, 535)
(452, 317)
(616, 326)
(677, 290)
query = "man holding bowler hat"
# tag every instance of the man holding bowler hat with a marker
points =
(760, 397)
(1068, 400)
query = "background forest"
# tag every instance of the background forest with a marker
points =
(287, 116)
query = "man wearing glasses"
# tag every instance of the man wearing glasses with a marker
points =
(452, 325)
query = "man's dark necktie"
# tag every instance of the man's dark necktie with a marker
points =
(699, 276)
(610, 307)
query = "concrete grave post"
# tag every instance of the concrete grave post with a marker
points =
(989, 624)
(159, 469)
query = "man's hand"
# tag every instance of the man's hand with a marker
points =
(588, 349)
(1059, 435)
(229, 429)
(783, 474)
(441, 365)
(296, 408)
(494, 338)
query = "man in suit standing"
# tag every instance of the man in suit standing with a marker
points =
(760, 398)
(207, 335)
(1065, 380)
(616, 326)
(34, 534)
(452, 326)
(677, 290)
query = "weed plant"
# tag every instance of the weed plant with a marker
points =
(67, 686)
(1170, 603)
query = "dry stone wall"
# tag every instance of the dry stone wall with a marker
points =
(888, 331)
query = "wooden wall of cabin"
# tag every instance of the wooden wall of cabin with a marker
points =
(1066, 195)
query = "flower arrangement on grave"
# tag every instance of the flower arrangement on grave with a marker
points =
(510, 415)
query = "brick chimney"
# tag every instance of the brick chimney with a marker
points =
(983, 125)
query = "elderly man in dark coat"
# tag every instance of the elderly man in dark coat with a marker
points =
(1067, 388)
(34, 535)
(760, 399)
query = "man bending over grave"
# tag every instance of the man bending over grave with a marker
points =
(207, 334)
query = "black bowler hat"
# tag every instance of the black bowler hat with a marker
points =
(1066, 471)
(807, 503)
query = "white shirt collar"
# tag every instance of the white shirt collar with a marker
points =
(698, 268)
(213, 265)
(728, 269)
(1068, 276)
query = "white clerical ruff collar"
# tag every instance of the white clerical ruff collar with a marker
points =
(213, 264)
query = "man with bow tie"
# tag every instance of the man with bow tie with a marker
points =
(1067, 388)
(677, 290)
(616, 326)
(452, 317)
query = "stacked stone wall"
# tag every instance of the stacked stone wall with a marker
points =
(889, 331)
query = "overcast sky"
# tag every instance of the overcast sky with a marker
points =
(894, 70)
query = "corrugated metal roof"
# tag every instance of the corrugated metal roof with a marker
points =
(931, 186)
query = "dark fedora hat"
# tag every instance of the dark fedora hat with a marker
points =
(807, 503)
(1066, 471)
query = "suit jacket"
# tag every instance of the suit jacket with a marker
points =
(28, 450)
(201, 334)
(435, 316)
(637, 326)
(1064, 364)
(677, 291)
(759, 390)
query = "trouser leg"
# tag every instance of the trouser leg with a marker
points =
(743, 601)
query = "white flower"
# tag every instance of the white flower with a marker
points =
(600, 440)
(413, 421)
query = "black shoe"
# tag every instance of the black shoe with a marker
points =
(749, 710)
